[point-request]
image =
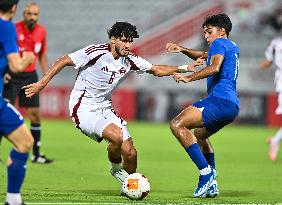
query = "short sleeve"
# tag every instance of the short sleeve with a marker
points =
(80, 58)
(9, 39)
(44, 42)
(217, 48)
(139, 65)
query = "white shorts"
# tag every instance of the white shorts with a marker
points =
(93, 122)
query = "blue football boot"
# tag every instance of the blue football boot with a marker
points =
(203, 185)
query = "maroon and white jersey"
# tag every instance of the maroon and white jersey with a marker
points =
(99, 74)
(274, 53)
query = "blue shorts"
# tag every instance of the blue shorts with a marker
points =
(217, 112)
(10, 118)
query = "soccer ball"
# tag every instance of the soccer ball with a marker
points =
(136, 186)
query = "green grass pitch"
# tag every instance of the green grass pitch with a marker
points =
(80, 174)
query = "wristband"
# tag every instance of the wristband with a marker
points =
(183, 68)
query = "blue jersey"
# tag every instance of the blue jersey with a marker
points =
(8, 44)
(223, 84)
(10, 118)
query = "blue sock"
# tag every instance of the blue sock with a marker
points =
(210, 159)
(16, 171)
(197, 156)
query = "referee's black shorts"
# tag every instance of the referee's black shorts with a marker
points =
(13, 89)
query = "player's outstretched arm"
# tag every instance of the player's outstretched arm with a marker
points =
(212, 69)
(191, 53)
(265, 64)
(35, 88)
(165, 70)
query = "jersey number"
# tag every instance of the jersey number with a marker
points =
(112, 78)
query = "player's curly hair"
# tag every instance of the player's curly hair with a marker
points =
(125, 29)
(220, 21)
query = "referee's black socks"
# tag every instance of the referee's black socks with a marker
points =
(36, 133)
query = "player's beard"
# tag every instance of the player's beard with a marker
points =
(119, 52)
(30, 24)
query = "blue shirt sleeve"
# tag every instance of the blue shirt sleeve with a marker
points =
(217, 48)
(9, 39)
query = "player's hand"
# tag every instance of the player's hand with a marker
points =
(32, 89)
(198, 62)
(29, 56)
(178, 77)
(173, 48)
(7, 78)
(264, 64)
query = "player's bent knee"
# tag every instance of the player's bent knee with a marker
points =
(25, 146)
(175, 125)
(116, 138)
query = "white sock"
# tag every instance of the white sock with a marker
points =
(14, 198)
(277, 138)
(206, 170)
(116, 167)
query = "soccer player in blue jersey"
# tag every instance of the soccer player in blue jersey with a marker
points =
(11, 122)
(218, 109)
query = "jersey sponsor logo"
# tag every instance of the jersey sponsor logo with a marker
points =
(105, 69)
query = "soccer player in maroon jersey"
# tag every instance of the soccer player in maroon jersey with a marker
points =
(102, 67)
(31, 36)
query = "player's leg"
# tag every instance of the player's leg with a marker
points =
(274, 145)
(188, 119)
(274, 142)
(10, 92)
(99, 124)
(14, 129)
(202, 135)
(113, 134)
(33, 113)
(129, 156)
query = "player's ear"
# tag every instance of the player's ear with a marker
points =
(222, 32)
(113, 40)
(14, 9)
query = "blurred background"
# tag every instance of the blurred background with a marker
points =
(73, 24)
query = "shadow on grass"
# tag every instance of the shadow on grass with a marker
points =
(237, 193)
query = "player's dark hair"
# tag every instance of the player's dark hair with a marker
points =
(220, 21)
(125, 29)
(6, 5)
